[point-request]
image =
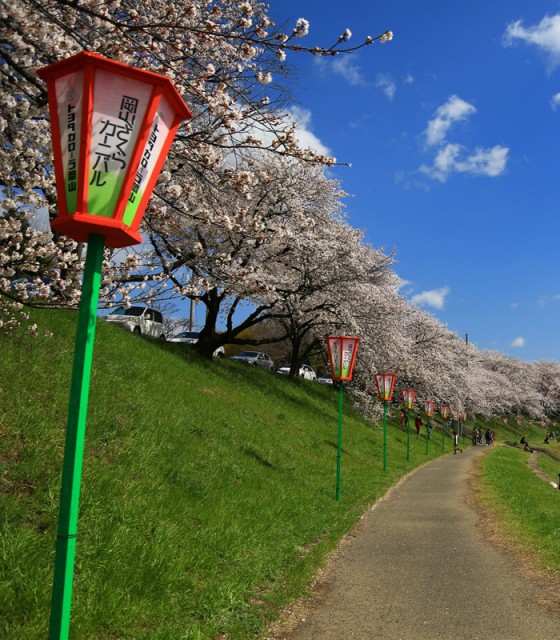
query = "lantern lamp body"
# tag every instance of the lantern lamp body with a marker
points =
(342, 356)
(409, 396)
(385, 385)
(429, 406)
(112, 126)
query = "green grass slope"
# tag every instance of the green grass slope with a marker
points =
(207, 492)
(528, 509)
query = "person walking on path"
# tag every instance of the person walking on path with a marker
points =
(417, 567)
(456, 443)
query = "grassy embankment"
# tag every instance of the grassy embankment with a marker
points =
(527, 508)
(207, 492)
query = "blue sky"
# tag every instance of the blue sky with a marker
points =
(452, 130)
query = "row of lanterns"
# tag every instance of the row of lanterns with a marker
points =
(342, 351)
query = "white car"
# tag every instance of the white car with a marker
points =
(191, 337)
(255, 358)
(305, 371)
(325, 379)
(143, 321)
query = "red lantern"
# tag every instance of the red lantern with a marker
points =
(385, 385)
(444, 411)
(409, 395)
(342, 356)
(429, 406)
(112, 126)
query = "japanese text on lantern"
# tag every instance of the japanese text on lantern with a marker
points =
(145, 161)
(71, 147)
(347, 358)
(111, 151)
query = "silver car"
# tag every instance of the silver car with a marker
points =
(305, 371)
(255, 358)
(191, 337)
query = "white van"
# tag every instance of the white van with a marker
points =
(143, 321)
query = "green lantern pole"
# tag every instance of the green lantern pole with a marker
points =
(409, 395)
(98, 91)
(342, 352)
(408, 434)
(385, 437)
(75, 436)
(444, 412)
(385, 383)
(429, 411)
(339, 451)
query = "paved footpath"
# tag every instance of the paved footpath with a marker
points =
(418, 568)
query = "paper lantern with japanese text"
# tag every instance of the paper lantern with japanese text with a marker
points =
(112, 127)
(342, 356)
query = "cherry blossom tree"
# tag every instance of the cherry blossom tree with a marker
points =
(226, 58)
(332, 273)
(243, 220)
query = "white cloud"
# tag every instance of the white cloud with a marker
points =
(402, 284)
(544, 300)
(408, 79)
(545, 35)
(518, 342)
(345, 66)
(434, 298)
(485, 162)
(514, 305)
(555, 101)
(307, 139)
(454, 110)
(386, 85)
(454, 158)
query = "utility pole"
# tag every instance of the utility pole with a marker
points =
(467, 361)
(191, 316)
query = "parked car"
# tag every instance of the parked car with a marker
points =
(255, 358)
(143, 321)
(191, 337)
(305, 371)
(324, 379)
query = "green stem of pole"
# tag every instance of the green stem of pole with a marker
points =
(385, 437)
(427, 434)
(339, 452)
(443, 434)
(408, 434)
(74, 449)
